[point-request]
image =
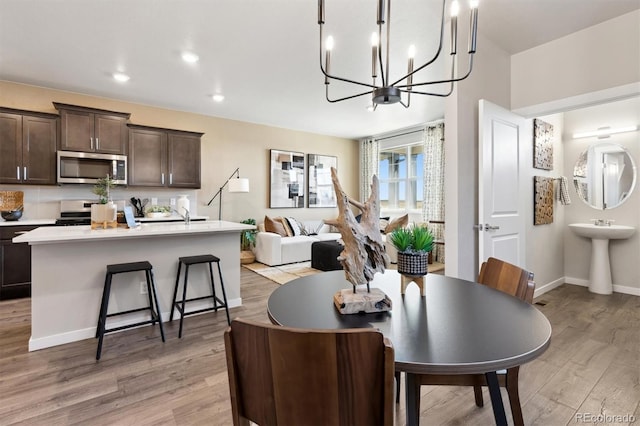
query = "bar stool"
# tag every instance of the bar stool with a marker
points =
(121, 268)
(187, 261)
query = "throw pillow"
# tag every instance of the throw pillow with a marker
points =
(294, 225)
(399, 222)
(285, 224)
(275, 226)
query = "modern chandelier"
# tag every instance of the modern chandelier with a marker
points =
(385, 91)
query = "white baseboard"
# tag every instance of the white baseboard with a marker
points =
(634, 291)
(89, 333)
(539, 291)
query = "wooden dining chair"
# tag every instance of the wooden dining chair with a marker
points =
(512, 280)
(289, 376)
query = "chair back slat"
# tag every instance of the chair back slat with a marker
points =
(507, 278)
(281, 375)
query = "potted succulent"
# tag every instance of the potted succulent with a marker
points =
(247, 241)
(104, 213)
(413, 244)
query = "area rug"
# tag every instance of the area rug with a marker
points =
(283, 273)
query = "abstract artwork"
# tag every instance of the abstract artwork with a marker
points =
(543, 200)
(542, 145)
(287, 179)
(321, 192)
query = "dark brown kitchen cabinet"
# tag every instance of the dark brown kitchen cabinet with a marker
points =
(164, 157)
(27, 147)
(92, 130)
(15, 263)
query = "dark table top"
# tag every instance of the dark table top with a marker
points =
(459, 326)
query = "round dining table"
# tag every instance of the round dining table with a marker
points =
(457, 327)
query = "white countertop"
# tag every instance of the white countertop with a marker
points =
(61, 234)
(27, 222)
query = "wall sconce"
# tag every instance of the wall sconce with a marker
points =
(235, 185)
(605, 132)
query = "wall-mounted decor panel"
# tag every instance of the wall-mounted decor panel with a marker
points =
(543, 200)
(321, 192)
(287, 179)
(542, 145)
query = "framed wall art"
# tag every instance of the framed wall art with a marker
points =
(287, 179)
(321, 192)
(542, 145)
(543, 200)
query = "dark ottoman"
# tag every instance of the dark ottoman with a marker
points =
(324, 255)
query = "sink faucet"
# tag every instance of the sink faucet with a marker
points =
(184, 216)
(602, 222)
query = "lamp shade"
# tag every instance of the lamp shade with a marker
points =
(239, 185)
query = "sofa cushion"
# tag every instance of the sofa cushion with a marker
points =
(294, 226)
(274, 225)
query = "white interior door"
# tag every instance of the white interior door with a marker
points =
(502, 189)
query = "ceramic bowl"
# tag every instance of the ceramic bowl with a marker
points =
(11, 215)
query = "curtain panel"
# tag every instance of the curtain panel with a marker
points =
(433, 204)
(369, 149)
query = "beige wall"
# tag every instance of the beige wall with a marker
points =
(597, 58)
(489, 80)
(226, 144)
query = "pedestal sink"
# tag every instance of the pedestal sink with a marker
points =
(600, 272)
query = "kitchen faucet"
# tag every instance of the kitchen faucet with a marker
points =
(185, 216)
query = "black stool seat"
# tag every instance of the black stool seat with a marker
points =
(120, 268)
(204, 258)
(179, 305)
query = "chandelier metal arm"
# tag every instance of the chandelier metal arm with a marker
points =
(451, 80)
(435, 56)
(336, 77)
(368, 92)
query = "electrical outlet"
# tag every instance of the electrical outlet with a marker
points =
(173, 202)
(154, 201)
(143, 287)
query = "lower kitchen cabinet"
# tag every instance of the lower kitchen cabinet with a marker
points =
(15, 263)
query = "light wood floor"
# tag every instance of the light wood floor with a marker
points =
(592, 366)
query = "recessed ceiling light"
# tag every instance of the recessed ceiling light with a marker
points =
(218, 98)
(190, 57)
(121, 77)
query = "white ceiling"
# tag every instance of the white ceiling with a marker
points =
(261, 54)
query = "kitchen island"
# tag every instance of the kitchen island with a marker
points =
(68, 266)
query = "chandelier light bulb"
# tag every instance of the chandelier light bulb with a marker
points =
(374, 39)
(473, 4)
(412, 51)
(329, 43)
(455, 8)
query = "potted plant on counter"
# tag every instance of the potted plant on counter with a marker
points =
(104, 213)
(247, 241)
(413, 244)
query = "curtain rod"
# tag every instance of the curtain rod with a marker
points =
(421, 129)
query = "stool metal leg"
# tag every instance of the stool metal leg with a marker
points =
(103, 315)
(155, 297)
(102, 302)
(224, 295)
(150, 296)
(213, 288)
(184, 299)
(175, 291)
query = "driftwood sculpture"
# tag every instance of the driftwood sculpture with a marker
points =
(364, 253)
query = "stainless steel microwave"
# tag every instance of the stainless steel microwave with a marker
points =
(88, 167)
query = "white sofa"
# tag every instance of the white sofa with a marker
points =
(273, 249)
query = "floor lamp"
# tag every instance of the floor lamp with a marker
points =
(235, 185)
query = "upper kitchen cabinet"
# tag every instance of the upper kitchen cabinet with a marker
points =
(164, 157)
(27, 147)
(92, 130)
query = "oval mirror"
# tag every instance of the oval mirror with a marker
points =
(604, 175)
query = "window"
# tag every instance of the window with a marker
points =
(401, 173)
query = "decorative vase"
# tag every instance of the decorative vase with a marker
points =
(413, 264)
(104, 215)
(182, 204)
